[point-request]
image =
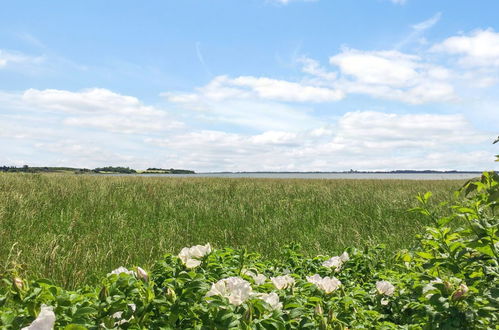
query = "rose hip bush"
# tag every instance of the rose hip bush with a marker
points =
(449, 280)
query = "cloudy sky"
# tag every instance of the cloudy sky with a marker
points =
(250, 85)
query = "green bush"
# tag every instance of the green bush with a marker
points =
(449, 281)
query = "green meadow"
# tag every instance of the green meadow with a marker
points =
(73, 229)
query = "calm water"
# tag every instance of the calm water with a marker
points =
(393, 176)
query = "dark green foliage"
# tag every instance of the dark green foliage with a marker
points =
(117, 169)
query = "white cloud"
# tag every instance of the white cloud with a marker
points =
(360, 140)
(248, 87)
(8, 58)
(79, 129)
(399, 2)
(256, 103)
(101, 109)
(393, 75)
(285, 2)
(313, 68)
(94, 100)
(480, 48)
(391, 68)
(425, 25)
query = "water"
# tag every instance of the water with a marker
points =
(380, 176)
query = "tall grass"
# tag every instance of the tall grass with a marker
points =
(73, 229)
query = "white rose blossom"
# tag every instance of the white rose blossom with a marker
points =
(122, 269)
(235, 289)
(259, 279)
(270, 298)
(326, 284)
(118, 315)
(344, 256)
(282, 282)
(44, 321)
(337, 261)
(430, 287)
(142, 274)
(385, 288)
(190, 256)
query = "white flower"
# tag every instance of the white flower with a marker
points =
(118, 315)
(44, 321)
(385, 302)
(337, 261)
(344, 256)
(272, 299)
(385, 287)
(282, 282)
(142, 274)
(334, 262)
(122, 269)
(430, 287)
(326, 284)
(235, 289)
(259, 279)
(190, 256)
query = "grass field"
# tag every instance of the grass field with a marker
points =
(73, 229)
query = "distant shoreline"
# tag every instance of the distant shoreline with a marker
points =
(349, 172)
(160, 171)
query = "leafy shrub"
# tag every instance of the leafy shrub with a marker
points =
(449, 281)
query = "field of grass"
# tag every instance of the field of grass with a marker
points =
(73, 229)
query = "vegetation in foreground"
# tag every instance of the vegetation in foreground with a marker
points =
(450, 280)
(73, 229)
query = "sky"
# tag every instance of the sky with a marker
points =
(250, 85)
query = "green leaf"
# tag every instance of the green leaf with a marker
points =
(425, 255)
(74, 327)
(82, 311)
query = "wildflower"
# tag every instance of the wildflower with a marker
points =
(384, 301)
(190, 256)
(344, 256)
(259, 279)
(337, 261)
(334, 262)
(118, 315)
(44, 321)
(272, 299)
(385, 287)
(326, 284)
(461, 292)
(235, 289)
(18, 283)
(122, 269)
(282, 282)
(142, 274)
(318, 309)
(429, 287)
(170, 293)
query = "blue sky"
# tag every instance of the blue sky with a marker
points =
(219, 85)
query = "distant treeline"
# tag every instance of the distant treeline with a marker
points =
(117, 169)
(102, 170)
(152, 170)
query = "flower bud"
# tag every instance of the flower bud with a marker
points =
(18, 283)
(104, 293)
(448, 287)
(318, 309)
(142, 274)
(460, 293)
(170, 293)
